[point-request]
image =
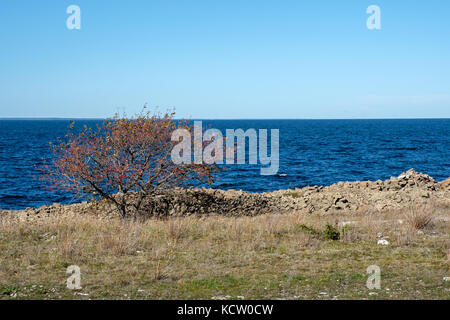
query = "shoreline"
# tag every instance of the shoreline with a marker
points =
(410, 188)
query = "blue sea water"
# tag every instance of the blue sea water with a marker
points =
(312, 152)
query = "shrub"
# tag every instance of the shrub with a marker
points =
(419, 217)
(123, 160)
(7, 290)
(331, 232)
(307, 229)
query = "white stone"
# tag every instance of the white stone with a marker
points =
(348, 223)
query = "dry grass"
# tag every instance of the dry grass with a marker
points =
(419, 218)
(267, 256)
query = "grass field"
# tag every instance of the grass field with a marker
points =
(264, 257)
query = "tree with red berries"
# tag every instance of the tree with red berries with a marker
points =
(123, 160)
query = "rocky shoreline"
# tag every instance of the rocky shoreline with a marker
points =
(408, 189)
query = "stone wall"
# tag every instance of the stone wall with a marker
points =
(408, 189)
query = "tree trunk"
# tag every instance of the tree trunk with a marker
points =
(123, 210)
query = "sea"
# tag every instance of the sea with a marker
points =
(311, 152)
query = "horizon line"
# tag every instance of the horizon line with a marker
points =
(96, 118)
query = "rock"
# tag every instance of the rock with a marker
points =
(445, 185)
(383, 242)
(347, 223)
(81, 293)
(409, 188)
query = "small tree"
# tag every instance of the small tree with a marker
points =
(120, 157)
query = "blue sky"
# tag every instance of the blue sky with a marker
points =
(225, 59)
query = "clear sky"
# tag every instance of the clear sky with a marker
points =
(226, 59)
